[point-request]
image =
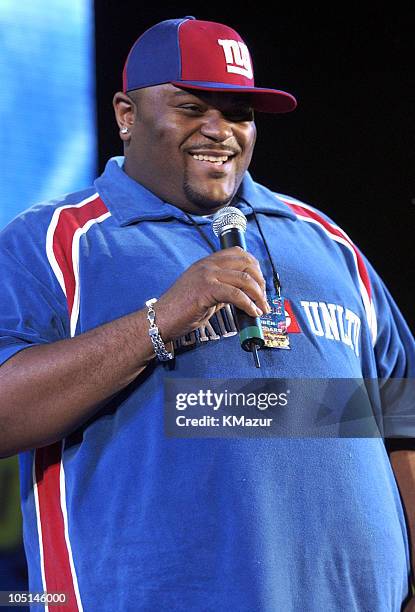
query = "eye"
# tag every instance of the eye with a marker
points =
(239, 115)
(191, 108)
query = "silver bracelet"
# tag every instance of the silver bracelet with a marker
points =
(159, 347)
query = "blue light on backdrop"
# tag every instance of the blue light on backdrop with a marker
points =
(47, 105)
(47, 148)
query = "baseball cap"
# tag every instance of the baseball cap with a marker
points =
(200, 55)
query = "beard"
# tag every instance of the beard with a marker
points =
(202, 200)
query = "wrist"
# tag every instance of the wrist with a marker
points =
(164, 352)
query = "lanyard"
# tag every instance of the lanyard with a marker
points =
(275, 276)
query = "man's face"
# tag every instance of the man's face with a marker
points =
(190, 148)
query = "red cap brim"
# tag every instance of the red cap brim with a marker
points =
(263, 100)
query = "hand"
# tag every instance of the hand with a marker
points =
(231, 276)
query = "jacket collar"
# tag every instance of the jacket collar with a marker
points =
(129, 202)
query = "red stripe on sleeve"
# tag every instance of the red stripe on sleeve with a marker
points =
(57, 569)
(71, 219)
(306, 212)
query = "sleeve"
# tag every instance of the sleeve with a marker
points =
(32, 305)
(394, 354)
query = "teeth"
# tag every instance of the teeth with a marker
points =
(212, 158)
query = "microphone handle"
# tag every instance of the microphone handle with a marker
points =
(250, 330)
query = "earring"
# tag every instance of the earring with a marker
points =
(124, 130)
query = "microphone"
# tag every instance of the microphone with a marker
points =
(229, 224)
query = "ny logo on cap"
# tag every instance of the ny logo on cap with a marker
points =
(237, 57)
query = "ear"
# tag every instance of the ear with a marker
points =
(125, 114)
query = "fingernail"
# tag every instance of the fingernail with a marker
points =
(259, 311)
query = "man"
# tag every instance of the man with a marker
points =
(117, 515)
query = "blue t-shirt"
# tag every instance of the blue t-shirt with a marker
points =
(120, 516)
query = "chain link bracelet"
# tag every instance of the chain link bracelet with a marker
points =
(159, 347)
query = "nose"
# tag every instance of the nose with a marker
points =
(216, 127)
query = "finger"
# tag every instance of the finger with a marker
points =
(245, 281)
(238, 259)
(230, 294)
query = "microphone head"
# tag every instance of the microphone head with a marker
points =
(228, 218)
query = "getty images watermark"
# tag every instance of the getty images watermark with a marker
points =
(228, 400)
(216, 408)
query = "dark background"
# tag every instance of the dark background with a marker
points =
(348, 147)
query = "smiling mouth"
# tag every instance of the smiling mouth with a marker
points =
(217, 160)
